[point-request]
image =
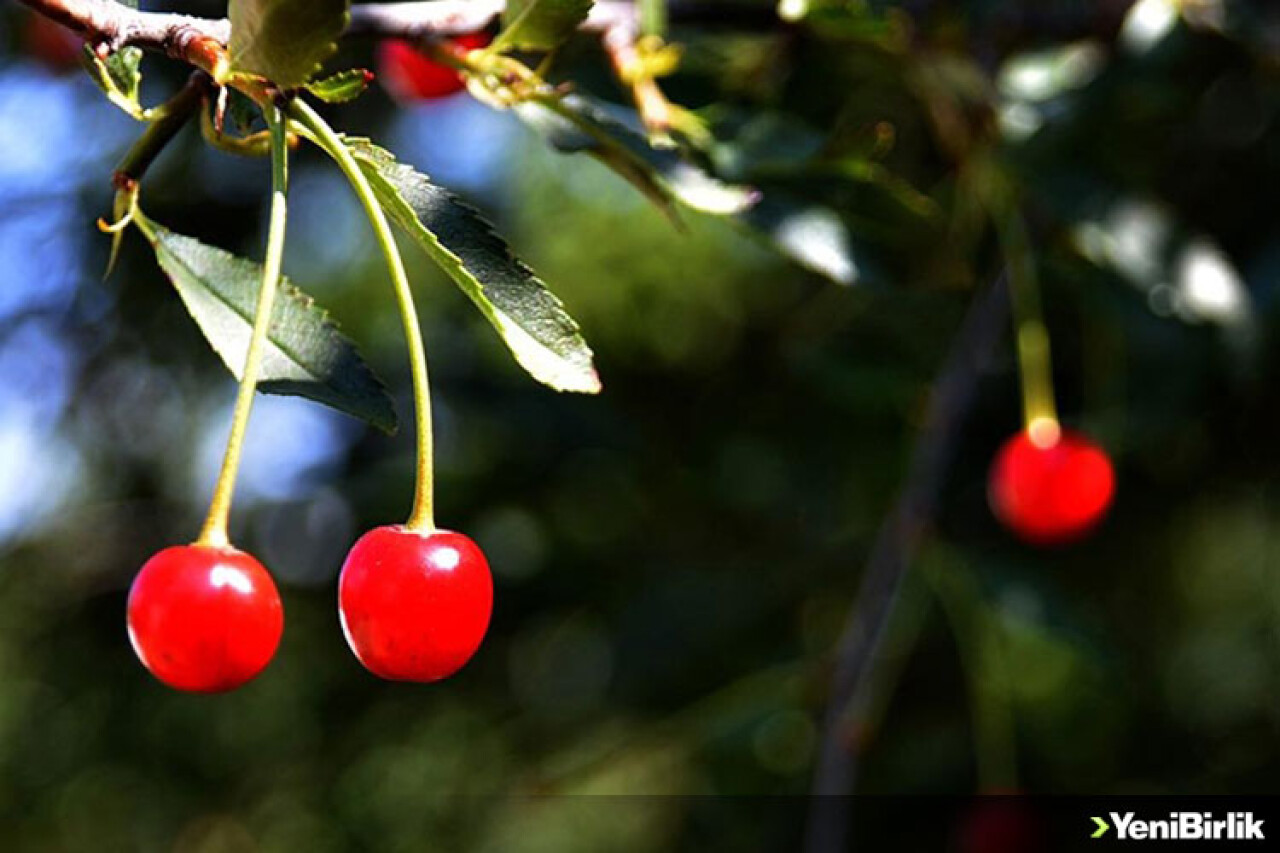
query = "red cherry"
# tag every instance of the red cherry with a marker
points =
(411, 75)
(1053, 491)
(414, 606)
(204, 619)
(52, 44)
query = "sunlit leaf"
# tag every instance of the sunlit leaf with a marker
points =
(807, 229)
(543, 338)
(285, 41)
(811, 234)
(342, 87)
(576, 124)
(119, 76)
(124, 66)
(540, 24)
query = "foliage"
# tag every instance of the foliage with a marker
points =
(532, 322)
(284, 41)
(540, 24)
(674, 556)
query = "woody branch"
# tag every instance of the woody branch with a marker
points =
(110, 25)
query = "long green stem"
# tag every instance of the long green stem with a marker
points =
(422, 517)
(653, 18)
(1034, 359)
(214, 531)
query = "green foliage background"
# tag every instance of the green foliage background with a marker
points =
(674, 558)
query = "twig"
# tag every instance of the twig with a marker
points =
(620, 35)
(202, 42)
(433, 18)
(113, 25)
(896, 544)
(172, 117)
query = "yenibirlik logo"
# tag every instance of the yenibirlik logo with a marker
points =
(1182, 826)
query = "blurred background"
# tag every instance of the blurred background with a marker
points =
(675, 558)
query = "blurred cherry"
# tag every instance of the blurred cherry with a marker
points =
(410, 75)
(1050, 488)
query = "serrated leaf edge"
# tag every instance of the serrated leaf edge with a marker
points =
(367, 152)
(290, 291)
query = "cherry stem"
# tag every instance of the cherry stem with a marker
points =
(422, 518)
(1039, 411)
(653, 18)
(214, 531)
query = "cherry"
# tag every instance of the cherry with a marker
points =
(414, 606)
(1050, 490)
(203, 618)
(411, 75)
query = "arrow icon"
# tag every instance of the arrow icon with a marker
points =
(1103, 826)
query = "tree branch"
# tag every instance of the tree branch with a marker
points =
(895, 547)
(110, 26)
(430, 19)
(114, 25)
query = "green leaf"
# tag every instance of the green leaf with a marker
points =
(540, 24)
(124, 67)
(306, 354)
(814, 236)
(826, 216)
(342, 87)
(573, 134)
(543, 338)
(285, 41)
(574, 124)
(119, 77)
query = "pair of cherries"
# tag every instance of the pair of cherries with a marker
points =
(413, 606)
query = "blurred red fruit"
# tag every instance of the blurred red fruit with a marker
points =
(1053, 491)
(411, 75)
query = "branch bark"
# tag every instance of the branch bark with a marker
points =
(114, 25)
(895, 547)
(110, 26)
(202, 42)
